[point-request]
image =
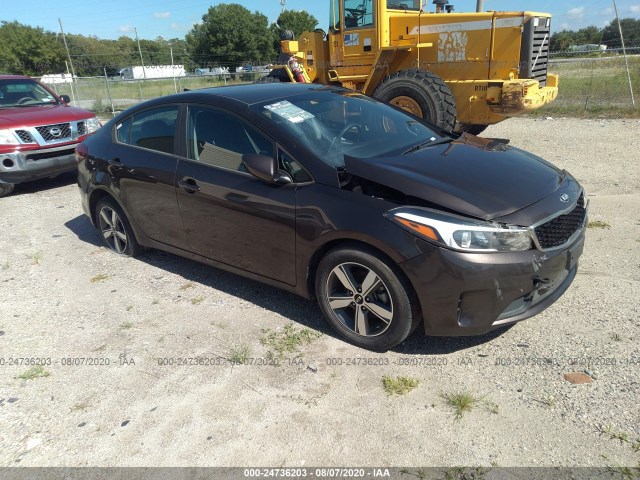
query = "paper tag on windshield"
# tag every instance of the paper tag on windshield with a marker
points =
(289, 111)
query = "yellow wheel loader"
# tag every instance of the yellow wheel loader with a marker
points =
(461, 71)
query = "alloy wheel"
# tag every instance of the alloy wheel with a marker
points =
(113, 230)
(359, 299)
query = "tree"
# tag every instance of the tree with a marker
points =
(30, 51)
(296, 21)
(231, 34)
(630, 30)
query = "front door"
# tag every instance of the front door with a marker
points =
(228, 214)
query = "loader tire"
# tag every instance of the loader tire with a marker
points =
(472, 128)
(422, 93)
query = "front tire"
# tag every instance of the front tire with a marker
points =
(365, 299)
(6, 189)
(115, 229)
(421, 93)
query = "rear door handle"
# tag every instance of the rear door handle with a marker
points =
(189, 185)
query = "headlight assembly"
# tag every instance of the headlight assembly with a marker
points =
(460, 233)
(92, 124)
(8, 138)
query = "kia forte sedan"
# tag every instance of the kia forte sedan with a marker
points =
(386, 220)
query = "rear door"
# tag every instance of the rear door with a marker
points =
(142, 166)
(228, 214)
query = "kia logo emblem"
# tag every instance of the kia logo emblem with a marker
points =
(564, 198)
(55, 132)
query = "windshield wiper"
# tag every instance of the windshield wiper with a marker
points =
(432, 141)
(23, 105)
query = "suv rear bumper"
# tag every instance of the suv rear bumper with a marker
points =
(25, 165)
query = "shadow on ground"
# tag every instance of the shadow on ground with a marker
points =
(44, 184)
(297, 309)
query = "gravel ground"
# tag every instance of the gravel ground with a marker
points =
(65, 297)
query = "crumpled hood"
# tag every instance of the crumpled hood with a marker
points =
(477, 177)
(40, 115)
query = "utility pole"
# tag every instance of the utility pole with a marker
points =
(144, 72)
(283, 4)
(624, 52)
(73, 72)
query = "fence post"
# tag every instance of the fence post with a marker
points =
(106, 81)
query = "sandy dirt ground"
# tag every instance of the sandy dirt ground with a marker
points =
(136, 354)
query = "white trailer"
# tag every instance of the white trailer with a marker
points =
(154, 71)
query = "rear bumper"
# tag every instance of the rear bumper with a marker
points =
(25, 165)
(519, 96)
(472, 294)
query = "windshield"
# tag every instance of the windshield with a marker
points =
(333, 124)
(23, 92)
(404, 4)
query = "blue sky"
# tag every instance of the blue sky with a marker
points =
(170, 18)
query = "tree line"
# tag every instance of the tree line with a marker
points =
(229, 35)
(610, 36)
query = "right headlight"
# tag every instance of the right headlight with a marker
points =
(8, 138)
(460, 233)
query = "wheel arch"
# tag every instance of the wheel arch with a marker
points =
(344, 243)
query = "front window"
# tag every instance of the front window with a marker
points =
(24, 92)
(413, 5)
(334, 123)
(358, 13)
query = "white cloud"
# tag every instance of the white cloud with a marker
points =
(607, 11)
(576, 13)
(162, 14)
(634, 8)
(126, 28)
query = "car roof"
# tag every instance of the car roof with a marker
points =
(250, 93)
(8, 77)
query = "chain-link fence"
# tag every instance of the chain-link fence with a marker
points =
(105, 95)
(597, 83)
(590, 83)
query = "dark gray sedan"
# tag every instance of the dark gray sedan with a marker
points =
(385, 219)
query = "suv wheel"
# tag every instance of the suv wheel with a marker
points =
(6, 189)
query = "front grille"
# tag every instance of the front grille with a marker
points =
(55, 133)
(558, 231)
(534, 54)
(25, 136)
(82, 128)
(45, 155)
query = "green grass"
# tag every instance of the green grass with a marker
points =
(197, 300)
(238, 354)
(598, 224)
(287, 341)
(35, 257)
(594, 88)
(100, 278)
(126, 325)
(461, 403)
(186, 286)
(33, 373)
(399, 385)
(6, 265)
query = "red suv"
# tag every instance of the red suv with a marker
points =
(38, 131)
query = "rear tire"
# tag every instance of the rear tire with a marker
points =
(114, 228)
(6, 189)
(473, 129)
(365, 299)
(422, 93)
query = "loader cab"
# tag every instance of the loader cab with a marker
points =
(353, 34)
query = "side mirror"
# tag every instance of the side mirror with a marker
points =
(264, 168)
(65, 98)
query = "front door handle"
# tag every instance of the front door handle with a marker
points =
(189, 185)
(115, 162)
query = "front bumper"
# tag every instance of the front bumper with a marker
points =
(25, 165)
(518, 96)
(472, 294)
